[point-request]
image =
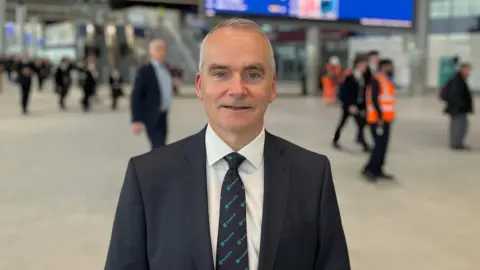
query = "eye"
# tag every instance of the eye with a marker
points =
(253, 76)
(220, 74)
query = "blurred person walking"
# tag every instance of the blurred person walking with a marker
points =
(63, 81)
(90, 82)
(459, 103)
(352, 96)
(380, 114)
(115, 81)
(152, 96)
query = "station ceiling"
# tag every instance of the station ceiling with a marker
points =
(54, 10)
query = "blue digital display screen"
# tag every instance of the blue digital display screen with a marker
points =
(400, 13)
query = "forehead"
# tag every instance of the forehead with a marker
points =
(236, 47)
(158, 45)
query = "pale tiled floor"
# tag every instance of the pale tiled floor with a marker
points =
(61, 174)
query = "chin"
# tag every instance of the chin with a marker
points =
(236, 125)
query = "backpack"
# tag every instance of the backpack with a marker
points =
(442, 93)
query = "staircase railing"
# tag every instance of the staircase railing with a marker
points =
(178, 53)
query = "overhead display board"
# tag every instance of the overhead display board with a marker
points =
(396, 14)
(184, 5)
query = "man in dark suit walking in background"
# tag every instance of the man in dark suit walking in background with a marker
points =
(232, 196)
(352, 96)
(152, 96)
(373, 59)
(24, 79)
(459, 104)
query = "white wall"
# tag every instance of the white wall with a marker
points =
(465, 45)
(60, 41)
(395, 47)
(60, 34)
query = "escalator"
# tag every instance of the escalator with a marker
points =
(179, 55)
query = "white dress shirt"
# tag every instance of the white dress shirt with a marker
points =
(252, 174)
(361, 84)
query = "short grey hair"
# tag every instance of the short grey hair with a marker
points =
(239, 23)
(155, 42)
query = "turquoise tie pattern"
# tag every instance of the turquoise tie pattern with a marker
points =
(232, 248)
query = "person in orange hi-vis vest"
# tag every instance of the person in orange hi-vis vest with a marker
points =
(330, 80)
(380, 113)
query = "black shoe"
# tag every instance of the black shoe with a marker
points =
(366, 148)
(369, 176)
(385, 176)
(461, 148)
(336, 145)
(364, 145)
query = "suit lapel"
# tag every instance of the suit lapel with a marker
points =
(193, 185)
(276, 185)
(153, 75)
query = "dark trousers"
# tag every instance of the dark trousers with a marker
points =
(359, 120)
(157, 131)
(87, 95)
(40, 83)
(62, 94)
(116, 93)
(25, 96)
(381, 137)
(458, 129)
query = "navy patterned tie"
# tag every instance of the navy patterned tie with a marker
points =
(232, 250)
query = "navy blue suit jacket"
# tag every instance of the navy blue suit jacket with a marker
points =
(162, 217)
(146, 98)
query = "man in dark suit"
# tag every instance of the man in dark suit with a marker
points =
(152, 96)
(91, 78)
(352, 96)
(373, 58)
(186, 206)
(24, 79)
(63, 81)
(459, 104)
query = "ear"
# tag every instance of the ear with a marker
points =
(273, 94)
(198, 85)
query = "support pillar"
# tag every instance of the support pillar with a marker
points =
(33, 46)
(3, 8)
(421, 52)
(20, 17)
(313, 59)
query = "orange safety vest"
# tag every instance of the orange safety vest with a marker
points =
(386, 100)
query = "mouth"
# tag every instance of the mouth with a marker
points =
(237, 108)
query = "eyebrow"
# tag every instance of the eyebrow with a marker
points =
(257, 66)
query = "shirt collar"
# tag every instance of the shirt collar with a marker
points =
(155, 63)
(357, 74)
(217, 149)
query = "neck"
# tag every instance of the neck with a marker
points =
(237, 139)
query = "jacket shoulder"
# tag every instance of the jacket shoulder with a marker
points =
(143, 68)
(300, 155)
(163, 156)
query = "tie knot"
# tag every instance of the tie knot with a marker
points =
(234, 160)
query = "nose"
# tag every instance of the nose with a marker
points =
(237, 87)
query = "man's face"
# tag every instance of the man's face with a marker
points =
(373, 60)
(236, 82)
(389, 69)
(158, 51)
(466, 71)
(362, 66)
